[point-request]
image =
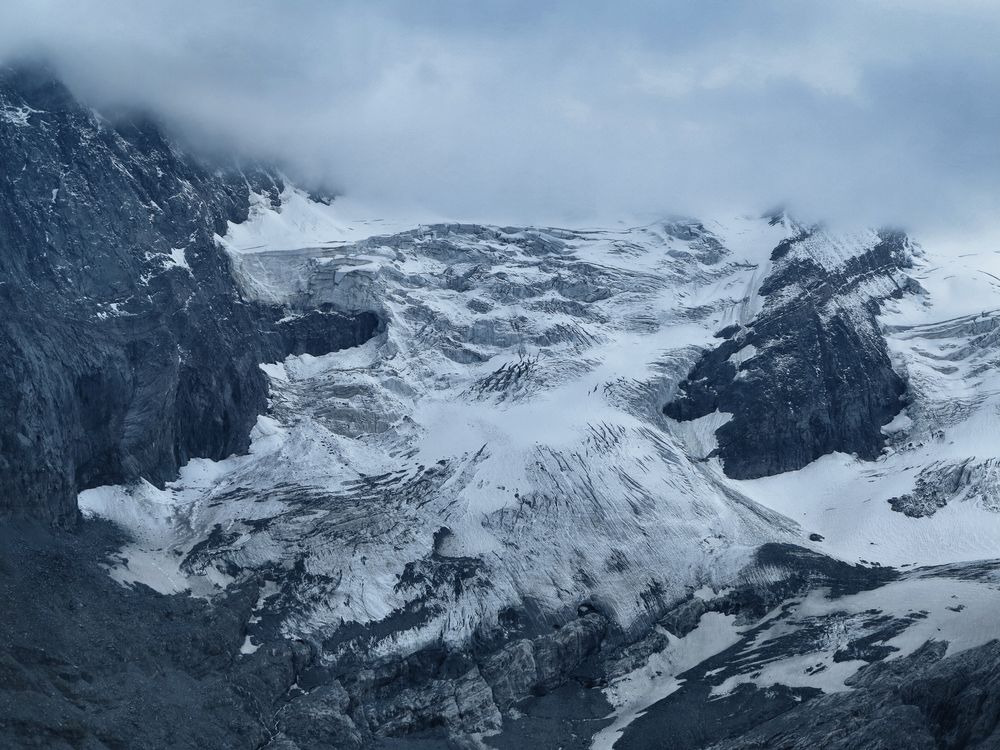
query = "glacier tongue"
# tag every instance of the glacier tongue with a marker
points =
(499, 445)
(497, 460)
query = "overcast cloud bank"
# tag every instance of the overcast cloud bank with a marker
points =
(870, 112)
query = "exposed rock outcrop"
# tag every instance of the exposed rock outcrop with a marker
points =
(810, 374)
(125, 347)
(919, 701)
(86, 663)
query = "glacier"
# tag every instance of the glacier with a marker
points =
(499, 451)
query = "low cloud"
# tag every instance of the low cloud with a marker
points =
(871, 112)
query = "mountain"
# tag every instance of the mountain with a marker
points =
(344, 483)
(126, 349)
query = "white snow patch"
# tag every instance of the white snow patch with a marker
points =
(17, 116)
(178, 259)
(845, 500)
(248, 646)
(301, 222)
(164, 523)
(900, 423)
(739, 357)
(698, 435)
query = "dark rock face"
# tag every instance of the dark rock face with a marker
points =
(819, 378)
(86, 663)
(321, 331)
(919, 701)
(125, 347)
(438, 691)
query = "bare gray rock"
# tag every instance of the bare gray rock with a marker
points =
(126, 348)
(820, 379)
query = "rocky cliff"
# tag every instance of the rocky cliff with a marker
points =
(810, 373)
(125, 347)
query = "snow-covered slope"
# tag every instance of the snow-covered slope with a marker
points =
(500, 444)
(498, 459)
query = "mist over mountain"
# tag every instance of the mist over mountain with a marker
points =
(496, 376)
(858, 112)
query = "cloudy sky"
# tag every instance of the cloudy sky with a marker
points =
(881, 111)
